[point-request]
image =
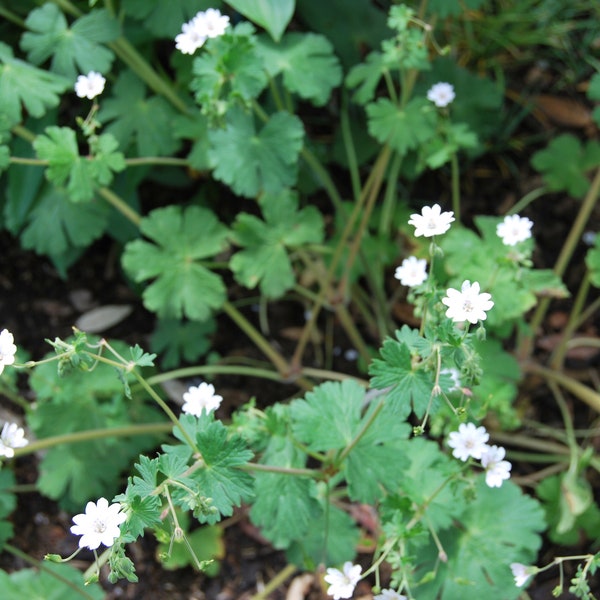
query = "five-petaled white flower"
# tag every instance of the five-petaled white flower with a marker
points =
(468, 441)
(412, 271)
(496, 468)
(514, 229)
(7, 349)
(441, 94)
(12, 437)
(432, 221)
(201, 398)
(90, 85)
(521, 573)
(389, 595)
(206, 24)
(342, 583)
(99, 524)
(467, 304)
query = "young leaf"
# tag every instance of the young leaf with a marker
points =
(411, 386)
(265, 259)
(565, 163)
(221, 480)
(307, 62)
(180, 238)
(74, 50)
(82, 174)
(252, 162)
(229, 72)
(134, 118)
(403, 129)
(22, 84)
(273, 15)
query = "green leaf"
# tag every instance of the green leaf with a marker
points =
(565, 162)
(22, 84)
(180, 341)
(265, 258)
(56, 224)
(411, 386)
(82, 174)
(74, 50)
(55, 582)
(180, 238)
(164, 19)
(286, 506)
(273, 15)
(8, 502)
(134, 118)
(500, 526)
(307, 63)
(229, 72)
(194, 127)
(403, 129)
(592, 260)
(251, 162)
(366, 77)
(221, 479)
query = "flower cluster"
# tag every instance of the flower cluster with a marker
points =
(342, 583)
(201, 398)
(432, 221)
(514, 229)
(468, 304)
(99, 524)
(7, 349)
(471, 442)
(206, 24)
(89, 86)
(412, 271)
(441, 94)
(12, 437)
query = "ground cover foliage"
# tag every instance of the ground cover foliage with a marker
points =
(240, 157)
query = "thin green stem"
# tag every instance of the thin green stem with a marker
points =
(120, 204)
(349, 146)
(366, 425)
(12, 17)
(558, 355)
(23, 132)
(257, 467)
(323, 176)
(350, 328)
(237, 370)
(390, 198)
(278, 580)
(587, 206)
(455, 186)
(42, 567)
(93, 434)
(157, 160)
(581, 391)
(527, 199)
(20, 160)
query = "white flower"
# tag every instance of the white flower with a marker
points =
(412, 271)
(455, 376)
(191, 38)
(342, 583)
(389, 595)
(90, 85)
(468, 304)
(468, 441)
(514, 229)
(12, 436)
(432, 221)
(208, 24)
(521, 573)
(441, 94)
(7, 349)
(213, 22)
(496, 469)
(99, 524)
(201, 398)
